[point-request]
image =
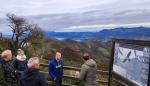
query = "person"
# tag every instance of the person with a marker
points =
(32, 76)
(88, 71)
(20, 62)
(8, 76)
(56, 69)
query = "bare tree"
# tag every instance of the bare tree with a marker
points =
(23, 32)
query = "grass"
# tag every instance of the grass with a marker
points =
(104, 51)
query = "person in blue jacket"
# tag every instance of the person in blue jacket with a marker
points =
(56, 69)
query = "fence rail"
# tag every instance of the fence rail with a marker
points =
(101, 72)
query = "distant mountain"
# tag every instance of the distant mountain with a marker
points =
(140, 33)
(78, 36)
(7, 35)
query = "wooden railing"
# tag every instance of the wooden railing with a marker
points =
(101, 72)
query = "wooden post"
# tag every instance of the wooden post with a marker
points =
(145, 65)
(111, 62)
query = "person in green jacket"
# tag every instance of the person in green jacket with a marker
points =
(88, 71)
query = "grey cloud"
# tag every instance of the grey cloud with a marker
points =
(55, 15)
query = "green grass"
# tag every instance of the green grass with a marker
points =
(71, 62)
(104, 51)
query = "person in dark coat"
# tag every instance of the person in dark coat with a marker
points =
(20, 63)
(8, 76)
(56, 69)
(32, 76)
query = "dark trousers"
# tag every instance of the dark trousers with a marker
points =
(58, 82)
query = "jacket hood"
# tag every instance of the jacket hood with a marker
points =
(91, 63)
(30, 74)
(21, 58)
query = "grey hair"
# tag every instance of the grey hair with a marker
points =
(32, 61)
(5, 53)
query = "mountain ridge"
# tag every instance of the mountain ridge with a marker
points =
(141, 33)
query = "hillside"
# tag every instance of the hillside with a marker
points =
(72, 51)
(78, 36)
(140, 33)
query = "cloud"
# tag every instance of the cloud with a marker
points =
(36, 7)
(72, 15)
(99, 27)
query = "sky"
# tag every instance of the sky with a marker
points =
(35, 7)
(114, 10)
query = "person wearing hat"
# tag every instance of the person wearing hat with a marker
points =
(88, 71)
